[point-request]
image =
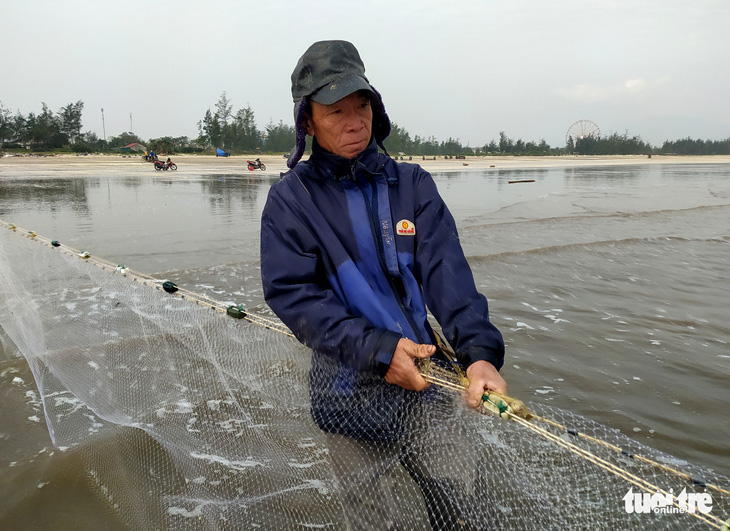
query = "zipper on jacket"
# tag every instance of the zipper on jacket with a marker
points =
(374, 224)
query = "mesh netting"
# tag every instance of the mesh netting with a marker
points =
(183, 417)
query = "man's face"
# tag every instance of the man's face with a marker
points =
(342, 128)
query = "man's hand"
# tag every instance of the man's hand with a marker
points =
(403, 370)
(483, 376)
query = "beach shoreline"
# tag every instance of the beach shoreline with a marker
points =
(277, 163)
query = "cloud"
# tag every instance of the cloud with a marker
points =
(591, 93)
(585, 93)
(635, 85)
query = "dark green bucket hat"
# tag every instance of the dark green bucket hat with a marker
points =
(329, 71)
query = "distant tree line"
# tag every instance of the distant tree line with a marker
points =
(687, 146)
(400, 141)
(507, 146)
(237, 131)
(613, 144)
(45, 131)
(221, 128)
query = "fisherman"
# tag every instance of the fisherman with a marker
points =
(354, 247)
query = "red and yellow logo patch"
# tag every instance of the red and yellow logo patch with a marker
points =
(405, 228)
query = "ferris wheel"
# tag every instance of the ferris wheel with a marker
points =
(582, 129)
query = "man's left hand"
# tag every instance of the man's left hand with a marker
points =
(483, 376)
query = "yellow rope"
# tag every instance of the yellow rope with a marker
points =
(616, 470)
(523, 418)
(634, 456)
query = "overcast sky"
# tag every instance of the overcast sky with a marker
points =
(456, 68)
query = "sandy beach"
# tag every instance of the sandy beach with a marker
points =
(277, 163)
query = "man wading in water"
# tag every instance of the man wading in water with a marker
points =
(354, 246)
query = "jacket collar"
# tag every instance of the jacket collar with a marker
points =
(330, 166)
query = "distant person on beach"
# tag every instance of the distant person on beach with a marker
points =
(354, 247)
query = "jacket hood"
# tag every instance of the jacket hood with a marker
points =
(380, 130)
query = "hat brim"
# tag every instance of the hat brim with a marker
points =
(340, 88)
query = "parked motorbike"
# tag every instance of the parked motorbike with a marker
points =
(255, 165)
(167, 165)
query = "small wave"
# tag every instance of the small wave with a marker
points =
(596, 245)
(583, 217)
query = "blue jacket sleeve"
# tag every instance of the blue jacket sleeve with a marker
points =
(294, 275)
(448, 283)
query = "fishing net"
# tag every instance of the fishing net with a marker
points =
(182, 412)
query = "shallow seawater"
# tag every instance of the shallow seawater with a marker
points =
(609, 284)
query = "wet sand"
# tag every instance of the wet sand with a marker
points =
(277, 163)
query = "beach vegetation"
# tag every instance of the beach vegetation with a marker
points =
(124, 139)
(614, 144)
(6, 116)
(228, 131)
(237, 132)
(45, 131)
(400, 141)
(688, 146)
(279, 137)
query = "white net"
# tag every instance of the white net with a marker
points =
(182, 417)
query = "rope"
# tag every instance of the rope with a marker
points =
(602, 463)
(633, 456)
(454, 379)
(617, 471)
(155, 283)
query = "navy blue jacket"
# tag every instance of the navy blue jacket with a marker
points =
(352, 253)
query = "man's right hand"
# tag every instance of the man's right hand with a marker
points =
(403, 370)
